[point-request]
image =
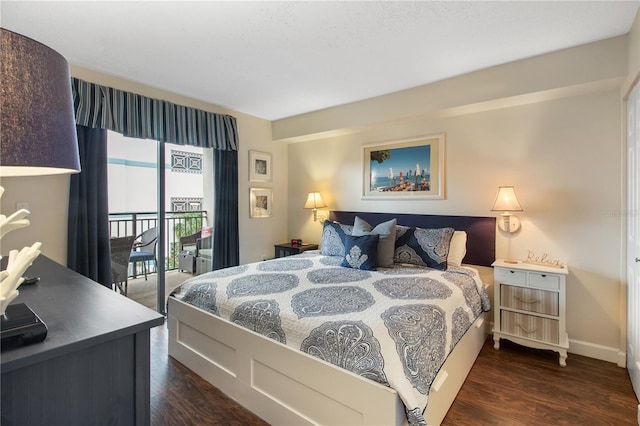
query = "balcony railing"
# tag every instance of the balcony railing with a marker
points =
(177, 224)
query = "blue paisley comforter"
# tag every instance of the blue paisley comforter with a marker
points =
(395, 325)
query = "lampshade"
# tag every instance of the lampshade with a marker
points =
(314, 201)
(37, 137)
(506, 200)
(37, 133)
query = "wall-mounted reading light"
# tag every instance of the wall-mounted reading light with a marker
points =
(314, 202)
(506, 201)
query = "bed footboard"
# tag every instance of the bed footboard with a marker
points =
(278, 384)
(287, 387)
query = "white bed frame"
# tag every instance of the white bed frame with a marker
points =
(287, 387)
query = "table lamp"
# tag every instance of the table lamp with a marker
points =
(38, 137)
(314, 202)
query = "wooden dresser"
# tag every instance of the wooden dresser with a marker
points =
(93, 367)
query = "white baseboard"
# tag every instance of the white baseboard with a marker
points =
(601, 352)
(593, 350)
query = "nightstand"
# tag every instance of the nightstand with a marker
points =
(287, 249)
(530, 306)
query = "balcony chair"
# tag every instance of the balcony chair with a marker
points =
(120, 256)
(188, 242)
(144, 249)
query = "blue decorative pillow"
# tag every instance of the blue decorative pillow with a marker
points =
(423, 247)
(361, 252)
(333, 234)
(386, 243)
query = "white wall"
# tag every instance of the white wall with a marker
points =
(258, 235)
(48, 198)
(560, 145)
(563, 157)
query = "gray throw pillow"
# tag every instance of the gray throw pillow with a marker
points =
(386, 242)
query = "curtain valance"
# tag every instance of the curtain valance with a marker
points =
(142, 117)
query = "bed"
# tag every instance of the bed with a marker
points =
(277, 351)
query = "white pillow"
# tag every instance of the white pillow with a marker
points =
(457, 248)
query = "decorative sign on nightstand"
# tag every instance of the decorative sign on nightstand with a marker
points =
(543, 260)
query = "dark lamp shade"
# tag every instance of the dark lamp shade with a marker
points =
(37, 127)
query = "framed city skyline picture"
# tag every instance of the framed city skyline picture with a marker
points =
(404, 169)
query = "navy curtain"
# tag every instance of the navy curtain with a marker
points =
(226, 245)
(101, 107)
(141, 117)
(88, 249)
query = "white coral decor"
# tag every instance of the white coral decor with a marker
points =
(19, 261)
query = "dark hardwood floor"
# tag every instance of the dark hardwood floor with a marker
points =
(521, 386)
(512, 386)
(181, 397)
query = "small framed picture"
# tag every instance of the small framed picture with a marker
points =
(260, 201)
(259, 166)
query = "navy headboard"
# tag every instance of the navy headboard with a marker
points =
(481, 231)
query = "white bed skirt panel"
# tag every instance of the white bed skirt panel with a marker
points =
(287, 387)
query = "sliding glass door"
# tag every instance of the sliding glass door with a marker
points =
(157, 189)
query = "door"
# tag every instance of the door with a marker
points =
(144, 195)
(633, 241)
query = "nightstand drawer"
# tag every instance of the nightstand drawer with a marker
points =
(549, 282)
(531, 327)
(528, 299)
(511, 276)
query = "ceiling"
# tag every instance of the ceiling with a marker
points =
(279, 59)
